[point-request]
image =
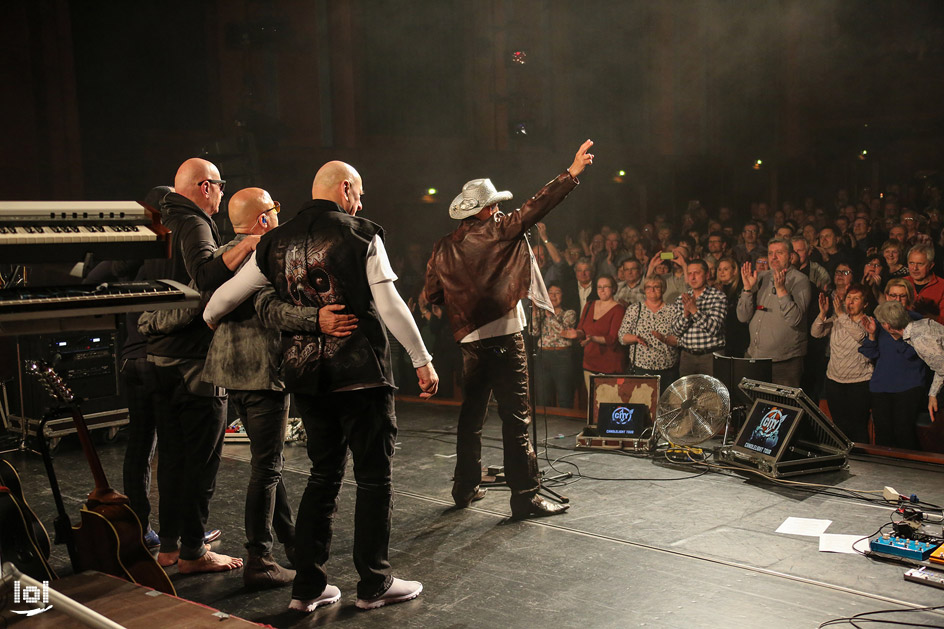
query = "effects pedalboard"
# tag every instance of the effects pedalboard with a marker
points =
(900, 547)
(926, 576)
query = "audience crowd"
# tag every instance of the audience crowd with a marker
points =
(798, 285)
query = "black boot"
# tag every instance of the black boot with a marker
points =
(263, 572)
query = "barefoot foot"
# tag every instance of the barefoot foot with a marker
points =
(210, 562)
(166, 560)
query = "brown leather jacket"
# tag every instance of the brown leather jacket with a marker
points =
(481, 270)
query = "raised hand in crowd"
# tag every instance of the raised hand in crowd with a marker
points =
(679, 258)
(838, 306)
(870, 327)
(654, 261)
(780, 281)
(823, 306)
(542, 230)
(748, 275)
(688, 304)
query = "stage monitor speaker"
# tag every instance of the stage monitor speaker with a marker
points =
(621, 414)
(730, 370)
(785, 434)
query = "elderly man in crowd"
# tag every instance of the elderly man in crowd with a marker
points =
(926, 336)
(749, 250)
(630, 289)
(775, 304)
(583, 270)
(813, 270)
(700, 324)
(928, 286)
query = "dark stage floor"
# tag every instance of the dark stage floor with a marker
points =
(645, 543)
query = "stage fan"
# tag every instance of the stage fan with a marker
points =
(692, 410)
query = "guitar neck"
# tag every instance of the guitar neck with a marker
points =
(102, 487)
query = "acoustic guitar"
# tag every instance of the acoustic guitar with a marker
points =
(23, 539)
(109, 537)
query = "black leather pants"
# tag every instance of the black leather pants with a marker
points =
(497, 365)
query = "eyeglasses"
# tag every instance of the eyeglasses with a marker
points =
(220, 182)
(841, 272)
(275, 208)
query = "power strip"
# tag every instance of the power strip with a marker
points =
(926, 576)
(892, 546)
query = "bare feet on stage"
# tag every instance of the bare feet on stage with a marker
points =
(166, 560)
(210, 562)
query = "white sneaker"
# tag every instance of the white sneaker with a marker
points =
(398, 592)
(330, 595)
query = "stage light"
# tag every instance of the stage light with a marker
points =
(863, 154)
(758, 163)
(521, 129)
(520, 57)
(432, 191)
(621, 173)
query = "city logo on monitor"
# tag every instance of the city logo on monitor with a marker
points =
(768, 430)
(622, 415)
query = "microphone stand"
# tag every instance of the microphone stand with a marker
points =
(532, 407)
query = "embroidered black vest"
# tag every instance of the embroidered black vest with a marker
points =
(316, 259)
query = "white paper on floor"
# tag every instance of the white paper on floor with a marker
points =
(833, 543)
(804, 526)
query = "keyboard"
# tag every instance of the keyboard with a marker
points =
(68, 231)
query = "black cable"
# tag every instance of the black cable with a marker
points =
(862, 616)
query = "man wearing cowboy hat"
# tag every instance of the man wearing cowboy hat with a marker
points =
(481, 272)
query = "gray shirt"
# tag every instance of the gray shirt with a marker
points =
(778, 325)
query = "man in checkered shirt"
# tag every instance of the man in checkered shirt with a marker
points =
(700, 323)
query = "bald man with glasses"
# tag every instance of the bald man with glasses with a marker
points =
(191, 417)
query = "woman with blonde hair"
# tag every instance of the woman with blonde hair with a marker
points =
(898, 389)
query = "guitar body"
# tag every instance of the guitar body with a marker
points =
(109, 539)
(16, 540)
(10, 479)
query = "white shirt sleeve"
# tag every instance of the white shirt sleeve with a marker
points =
(378, 265)
(227, 297)
(396, 316)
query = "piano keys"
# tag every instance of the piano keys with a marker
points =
(68, 231)
(46, 309)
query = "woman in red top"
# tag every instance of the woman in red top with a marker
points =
(598, 332)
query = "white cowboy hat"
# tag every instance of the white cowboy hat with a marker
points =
(475, 195)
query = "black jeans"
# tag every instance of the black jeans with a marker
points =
(895, 416)
(555, 379)
(497, 365)
(265, 417)
(363, 421)
(190, 429)
(849, 405)
(141, 390)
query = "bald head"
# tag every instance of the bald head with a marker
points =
(192, 182)
(339, 182)
(249, 211)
